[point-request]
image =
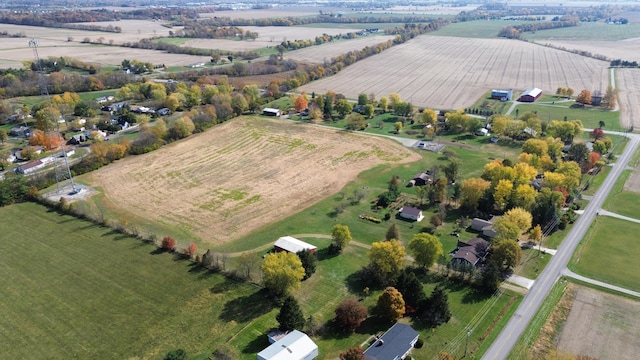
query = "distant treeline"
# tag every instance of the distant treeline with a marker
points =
(624, 63)
(498, 11)
(293, 21)
(176, 49)
(514, 31)
(197, 29)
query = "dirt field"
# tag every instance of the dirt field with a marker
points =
(601, 325)
(628, 49)
(327, 51)
(241, 175)
(451, 73)
(53, 42)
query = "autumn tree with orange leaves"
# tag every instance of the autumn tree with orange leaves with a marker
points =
(50, 140)
(301, 103)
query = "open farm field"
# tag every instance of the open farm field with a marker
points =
(592, 31)
(75, 290)
(241, 175)
(476, 29)
(603, 248)
(627, 49)
(599, 322)
(451, 73)
(319, 54)
(98, 54)
(627, 84)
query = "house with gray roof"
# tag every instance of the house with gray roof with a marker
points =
(395, 344)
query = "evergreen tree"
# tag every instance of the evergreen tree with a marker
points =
(435, 310)
(410, 288)
(309, 262)
(393, 232)
(290, 316)
(490, 279)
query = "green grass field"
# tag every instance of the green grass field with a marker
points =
(610, 256)
(587, 31)
(623, 202)
(75, 290)
(475, 29)
(533, 262)
(590, 117)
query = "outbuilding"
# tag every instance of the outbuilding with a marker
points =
(292, 245)
(295, 345)
(530, 95)
(504, 95)
(271, 112)
(411, 213)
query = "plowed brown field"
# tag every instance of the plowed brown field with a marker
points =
(452, 73)
(241, 175)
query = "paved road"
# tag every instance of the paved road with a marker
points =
(510, 334)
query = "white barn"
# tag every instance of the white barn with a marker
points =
(295, 345)
(293, 245)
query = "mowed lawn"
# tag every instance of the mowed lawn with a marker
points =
(610, 253)
(75, 290)
(590, 117)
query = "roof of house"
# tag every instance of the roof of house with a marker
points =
(31, 165)
(467, 253)
(479, 224)
(395, 343)
(292, 244)
(422, 176)
(270, 110)
(295, 345)
(532, 92)
(410, 211)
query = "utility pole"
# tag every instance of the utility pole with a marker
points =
(466, 344)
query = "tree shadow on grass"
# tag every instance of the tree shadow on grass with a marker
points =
(247, 308)
(325, 254)
(156, 251)
(256, 345)
(473, 296)
(373, 325)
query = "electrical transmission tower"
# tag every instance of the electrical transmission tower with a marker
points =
(61, 171)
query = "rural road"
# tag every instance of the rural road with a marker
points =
(506, 340)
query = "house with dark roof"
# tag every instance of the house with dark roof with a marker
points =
(29, 168)
(394, 344)
(470, 252)
(420, 179)
(411, 213)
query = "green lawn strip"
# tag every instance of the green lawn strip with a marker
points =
(171, 40)
(380, 26)
(592, 31)
(530, 335)
(553, 241)
(476, 29)
(590, 117)
(533, 262)
(625, 203)
(600, 288)
(73, 289)
(609, 241)
(616, 191)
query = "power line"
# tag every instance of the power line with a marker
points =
(65, 173)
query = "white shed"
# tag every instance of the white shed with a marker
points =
(295, 345)
(293, 245)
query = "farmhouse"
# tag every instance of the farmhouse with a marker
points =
(411, 213)
(196, 65)
(530, 95)
(271, 112)
(20, 131)
(29, 168)
(394, 344)
(505, 95)
(295, 345)
(292, 245)
(470, 252)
